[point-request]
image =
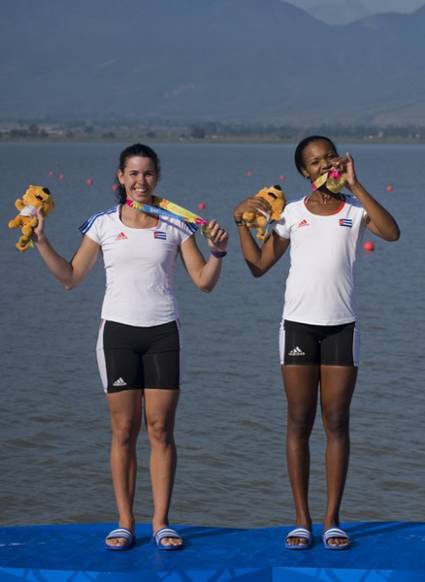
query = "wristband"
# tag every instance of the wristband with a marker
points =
(239, 222)
(218, 254)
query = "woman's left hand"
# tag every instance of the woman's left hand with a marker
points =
(351, 172)
(218, 238)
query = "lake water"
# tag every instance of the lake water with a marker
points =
(54, 454)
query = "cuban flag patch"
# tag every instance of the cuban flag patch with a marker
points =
(160, 234)
(346, 222)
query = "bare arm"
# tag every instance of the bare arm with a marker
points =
(68, 273)
(204, 273)
(379, 220)
(258, 259)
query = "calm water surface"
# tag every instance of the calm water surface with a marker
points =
(230, 428)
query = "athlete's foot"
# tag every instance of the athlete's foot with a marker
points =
(293, 540)
(118, 541)
(165, 541)
(335, 541)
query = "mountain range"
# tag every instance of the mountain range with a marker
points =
(238, 61)
(345, 11)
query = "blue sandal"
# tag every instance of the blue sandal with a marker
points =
(299, 532)
(336, 532)
(120, 533)
(166, 532)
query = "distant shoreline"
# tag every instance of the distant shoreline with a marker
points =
(207, 141)
(201, 132)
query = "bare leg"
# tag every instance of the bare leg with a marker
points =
(160, 410)
(301, 386)
(126, 412)
(336, 390)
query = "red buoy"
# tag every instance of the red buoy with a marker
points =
(282, 178)
(89, 181)
(201, 205)
(61, 176)
(390, 188)
(248, 173)
(369, 246)
(50, 172)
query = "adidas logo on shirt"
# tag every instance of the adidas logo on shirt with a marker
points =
(296, 352)
(303, 222)
(119, 382)
(121, 236)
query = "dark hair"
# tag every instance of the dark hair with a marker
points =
(299, 150)
(141, 150)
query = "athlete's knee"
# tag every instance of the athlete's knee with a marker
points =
(300, 425)
(336, 424)
(160, 432)
(125, 432)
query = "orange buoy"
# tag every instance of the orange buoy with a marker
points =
(390, 188)
(201, 205)
(89, 181)
(369, 246)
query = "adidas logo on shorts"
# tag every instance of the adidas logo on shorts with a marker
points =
(119, 382)
(296, 352)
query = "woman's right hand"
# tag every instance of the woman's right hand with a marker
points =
(253, 204)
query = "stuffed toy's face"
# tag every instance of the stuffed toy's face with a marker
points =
(275, 198)
(38, 197)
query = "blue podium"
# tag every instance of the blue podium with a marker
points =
(381, 551)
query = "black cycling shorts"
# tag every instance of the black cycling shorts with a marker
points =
(330, 345)
(131, 357)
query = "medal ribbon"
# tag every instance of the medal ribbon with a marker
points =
(163, 207)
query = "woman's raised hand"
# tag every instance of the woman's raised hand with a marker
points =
(351, 172)
(254, 204)
(38, 232)
(218, 238)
